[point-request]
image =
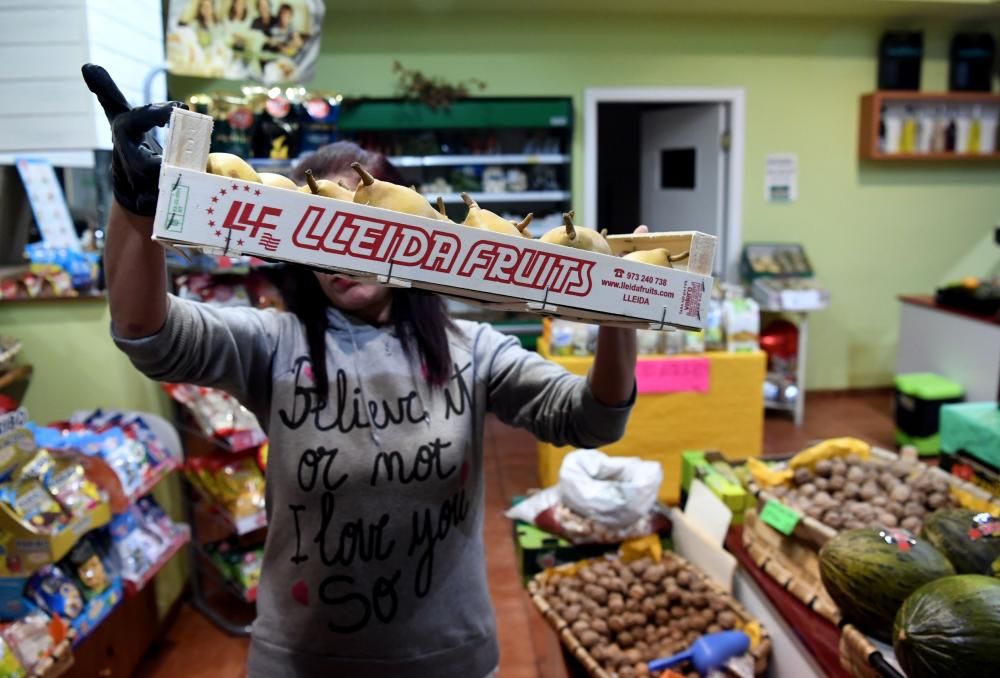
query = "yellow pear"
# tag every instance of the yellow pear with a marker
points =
(277, 181)
(372, 191)
(658, 257)
(480, 218)
(580, 237)
(326, 188)
(229, 165)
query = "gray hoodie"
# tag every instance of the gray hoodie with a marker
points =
(374, 562)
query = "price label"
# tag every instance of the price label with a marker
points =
(780, 517)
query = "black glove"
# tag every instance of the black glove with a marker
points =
(136, 155)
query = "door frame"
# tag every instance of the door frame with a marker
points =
(732, 206)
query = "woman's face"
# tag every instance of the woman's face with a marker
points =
(368, 301)
(285, 18)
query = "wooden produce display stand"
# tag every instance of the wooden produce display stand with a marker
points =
(728, 416)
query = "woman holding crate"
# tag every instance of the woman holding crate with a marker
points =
(374, 401)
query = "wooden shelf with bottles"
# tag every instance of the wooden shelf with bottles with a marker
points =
(871, 113)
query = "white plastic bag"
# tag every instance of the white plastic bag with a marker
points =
(614, 491)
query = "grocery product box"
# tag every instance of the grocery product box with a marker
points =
(207, 211)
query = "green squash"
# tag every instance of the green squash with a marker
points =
(966, 538)
(950, 627)
(870, 572)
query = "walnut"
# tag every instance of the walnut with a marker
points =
(937, 499)
(616, 623)
(699, 600)
(713, 628)
(914, 509)
(600, 625)
(887, 519)
(637, 592)
(836, 483)
(677, 612)
(912, 523)
(588, 576)
(626, 672)
(726, 619)
(589, 638)
(649, 606)
(596, 593)
(571, 613)
(616, 603)
(639, 566)
(833, 519)
(579, 627)
(855, 474)
(823, 499)
(661, 600)
(641, 669)
(662, 617)
(654, 574)
(802, 476)
(631, 605)
(625, 639)
(900, 493)
(887, 480)
(684, 579)
(633, 656)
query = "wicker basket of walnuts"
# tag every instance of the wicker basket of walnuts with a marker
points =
(615, 616)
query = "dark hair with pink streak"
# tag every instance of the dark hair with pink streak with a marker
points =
(419, 317)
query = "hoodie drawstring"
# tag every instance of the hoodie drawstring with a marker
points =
(372, 433)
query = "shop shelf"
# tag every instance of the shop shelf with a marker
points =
(183, 537)
(160, 471)
(499, 159)
(247, 595)
(871, 114)
(521, 196)
(239, 525)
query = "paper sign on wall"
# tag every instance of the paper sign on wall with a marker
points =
(673, 375)
(781, 177)
(48, 203)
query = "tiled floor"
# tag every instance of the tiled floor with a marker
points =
(193, 647)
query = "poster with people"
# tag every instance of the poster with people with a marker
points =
(268, 41)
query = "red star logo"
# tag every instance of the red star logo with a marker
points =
(210, 210)
(235, 187)
(215, 198)
(239, 243)
(222, 191)
(218, 232)
(256, 191)
(211, 223)
(246, 187)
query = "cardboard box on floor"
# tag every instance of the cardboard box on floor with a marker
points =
(213, 212)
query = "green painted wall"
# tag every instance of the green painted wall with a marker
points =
(872, 231)
(76, 366)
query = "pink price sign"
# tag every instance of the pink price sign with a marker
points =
(672, 375)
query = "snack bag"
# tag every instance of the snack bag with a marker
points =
(29, 638)
(68, 483)
(55, 593)
(33, 504)
(241, 487)
(10, 667)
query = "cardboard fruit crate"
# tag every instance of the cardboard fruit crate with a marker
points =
(221, 214)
